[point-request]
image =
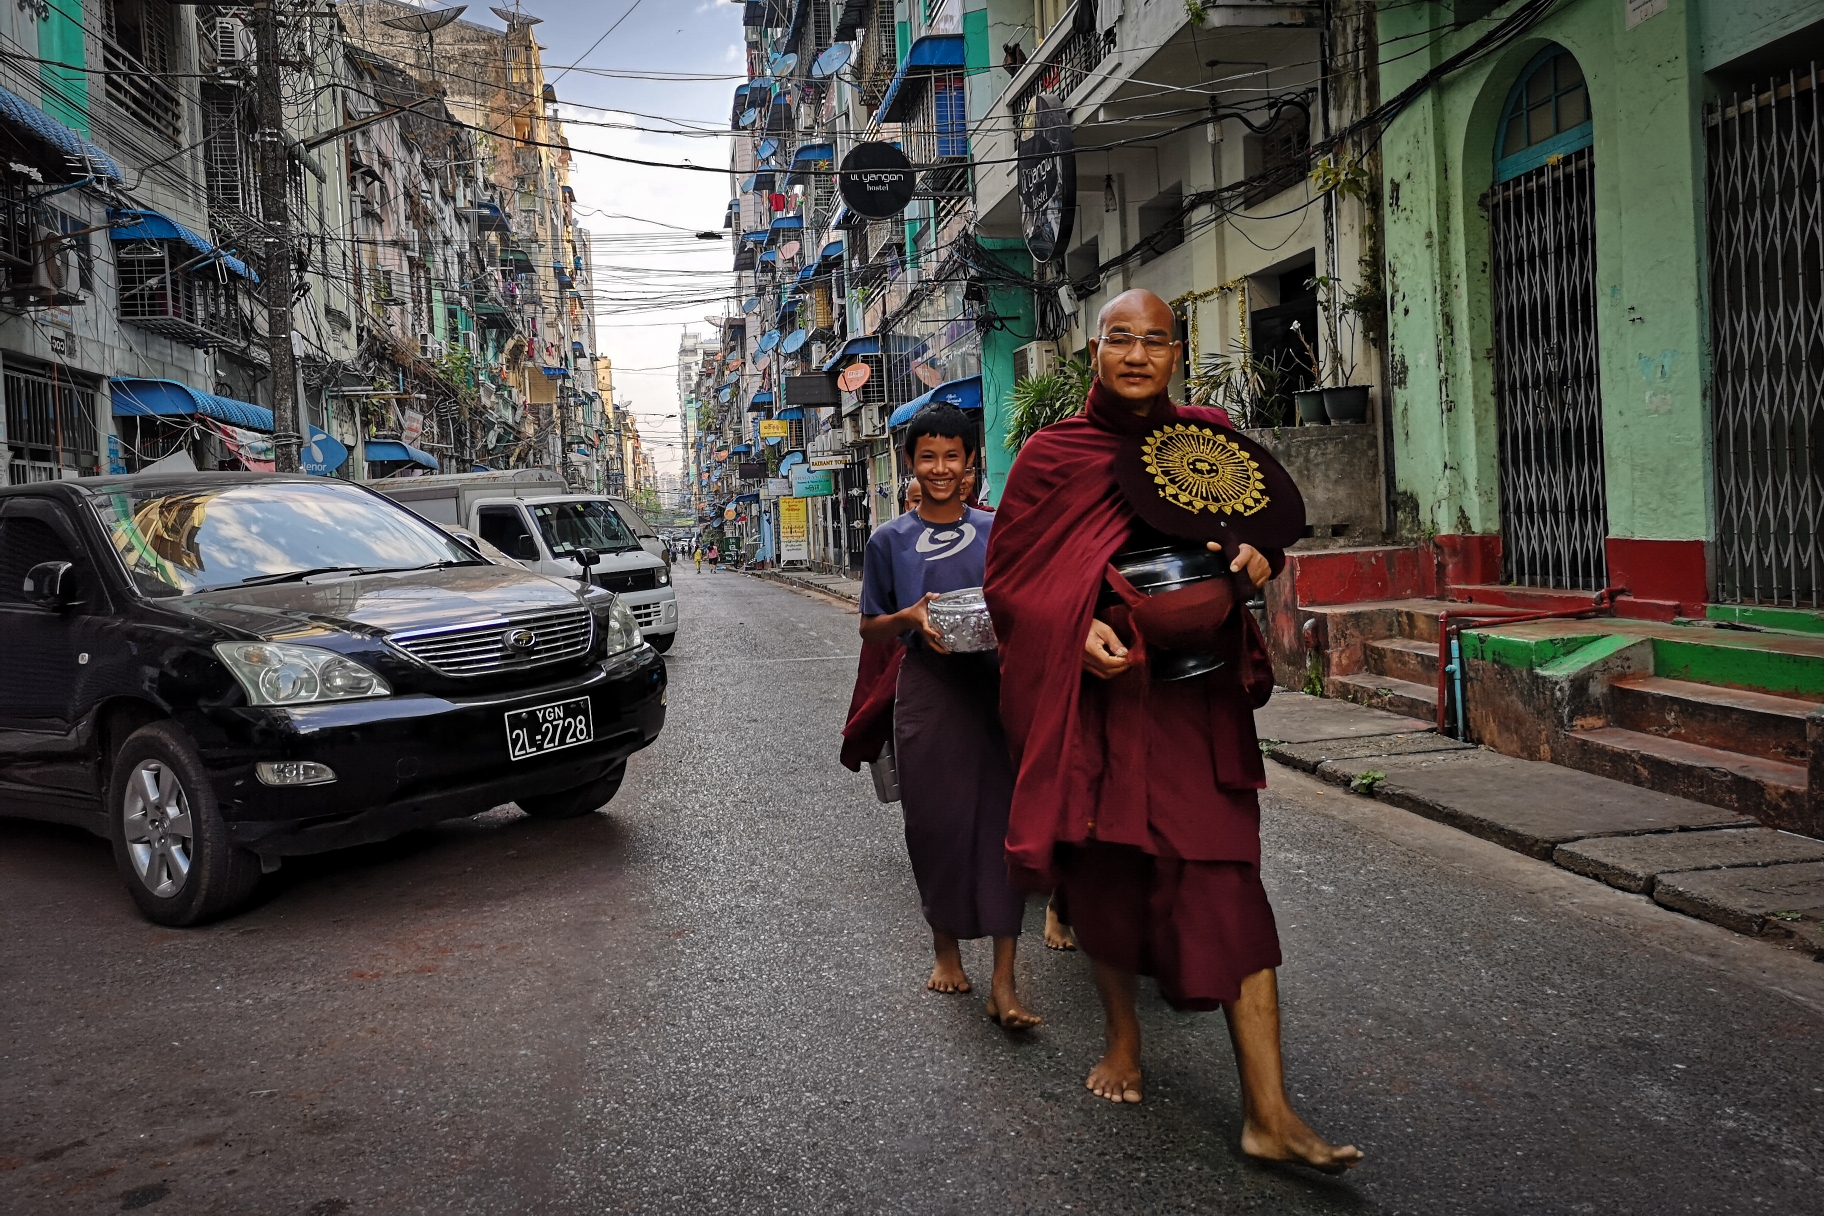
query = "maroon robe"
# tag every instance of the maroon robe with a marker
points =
(1140, 796)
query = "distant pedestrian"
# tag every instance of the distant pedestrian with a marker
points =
(698, 554)
(956, 780)
(715, 555)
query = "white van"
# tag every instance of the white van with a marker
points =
(534, 517)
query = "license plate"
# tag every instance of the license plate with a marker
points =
(549, 728)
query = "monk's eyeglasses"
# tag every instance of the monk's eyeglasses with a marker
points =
(1121, 343)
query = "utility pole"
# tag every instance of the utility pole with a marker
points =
(275, 214)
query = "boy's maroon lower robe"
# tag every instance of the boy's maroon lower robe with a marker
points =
(1137, 798)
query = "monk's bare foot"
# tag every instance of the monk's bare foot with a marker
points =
(1292, 1140)
(1057, 933)
(1004, 1007)
(948, 976)
(1117, 1076)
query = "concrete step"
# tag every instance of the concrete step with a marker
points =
(1770, 790)
(1386, 692)
(1522, 599)
(1731, 719)
(1404, 659)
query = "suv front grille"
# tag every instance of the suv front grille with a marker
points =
(498, 645)
(629, 580)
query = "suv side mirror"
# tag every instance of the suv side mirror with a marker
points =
(526, 548)
(44, 583)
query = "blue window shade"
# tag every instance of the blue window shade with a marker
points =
(1547, 115)
(952, 116)
(134, 397)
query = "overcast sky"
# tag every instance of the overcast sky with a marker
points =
(658, 37)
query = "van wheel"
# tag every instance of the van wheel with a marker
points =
(572, 804)
(170, 843)
(662, 642)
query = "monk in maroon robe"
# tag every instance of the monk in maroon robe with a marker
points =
(1138, 798)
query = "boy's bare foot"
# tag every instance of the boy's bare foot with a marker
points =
(1294, 1141)
(1116, 1076)
(948, 976)
(1004, 1007)
(1057, 933)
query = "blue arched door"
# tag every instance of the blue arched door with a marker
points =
(1542, 237)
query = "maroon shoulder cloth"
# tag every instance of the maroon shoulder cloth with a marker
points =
(1082, 746)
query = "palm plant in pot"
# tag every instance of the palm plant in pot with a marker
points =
(1039, 401)
(1248, 389)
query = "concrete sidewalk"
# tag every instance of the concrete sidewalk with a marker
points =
(827, 584)
(1696, 859)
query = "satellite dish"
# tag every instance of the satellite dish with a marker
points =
(751, 306)
(759, 84)
(513, 16)
(853, 377)
(425, 23)
(761, 363)
(831, 61)
(928, 376)
(784, 65)
(794, 341)
(789, 249)
(747, 119)
(747, 186)
(768, 149)
(768, 340)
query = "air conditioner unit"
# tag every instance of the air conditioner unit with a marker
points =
(1033, 360)
(874, 421)
(235, 45)
(54, 273)
(429, 347)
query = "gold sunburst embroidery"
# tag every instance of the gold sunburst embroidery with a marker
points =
(1200, 470)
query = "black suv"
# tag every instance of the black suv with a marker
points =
(217, 670)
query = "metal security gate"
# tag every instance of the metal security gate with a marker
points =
(1766, 221)
(50, 427)
(1554, 514)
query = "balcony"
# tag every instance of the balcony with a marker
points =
(160, 291)
(144, 98)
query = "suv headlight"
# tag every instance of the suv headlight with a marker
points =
(278, 673)
(623, 631)
(664, 577)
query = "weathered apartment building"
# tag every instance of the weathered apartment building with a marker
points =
(436, 279)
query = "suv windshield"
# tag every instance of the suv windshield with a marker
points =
(590, 524)
(175, 542)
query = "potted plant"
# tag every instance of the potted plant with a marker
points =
(1343, 402)
(1246, 388)
(1042, 400)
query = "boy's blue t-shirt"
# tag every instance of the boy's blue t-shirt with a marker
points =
(908, 557)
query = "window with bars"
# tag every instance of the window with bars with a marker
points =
(227, 151)
(50, 425)
(138, 43)
(879, 56)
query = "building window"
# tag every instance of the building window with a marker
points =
(50, 426)
(138, 42)
(1547, 114)
(1162, 223)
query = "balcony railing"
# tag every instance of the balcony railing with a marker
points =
(145, 98)
(157, 292)
(1073, 62)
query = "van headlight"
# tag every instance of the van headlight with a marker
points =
(664, 577)
(623, 631)
(278, 673)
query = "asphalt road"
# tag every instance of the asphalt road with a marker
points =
(709, 999)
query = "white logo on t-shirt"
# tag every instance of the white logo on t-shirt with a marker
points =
(932, 541)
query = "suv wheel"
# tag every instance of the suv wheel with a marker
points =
(571, 804)
(169, 840)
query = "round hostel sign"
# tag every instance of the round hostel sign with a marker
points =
(1048, 177)
(876, 180)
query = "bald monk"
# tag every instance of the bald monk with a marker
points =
(1137, 797)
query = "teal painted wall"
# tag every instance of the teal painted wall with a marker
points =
(1645, 94)
(1014, 306)
(60, 39)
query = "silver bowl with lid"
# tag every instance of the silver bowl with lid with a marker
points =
(961, 617)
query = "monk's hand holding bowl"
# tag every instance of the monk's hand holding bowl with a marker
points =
(1104, 657)
(1248, 559)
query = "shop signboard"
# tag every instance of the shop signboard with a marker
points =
(811, 483)
(794, 530)
(829, 462)
(778, 487)
(775, 428)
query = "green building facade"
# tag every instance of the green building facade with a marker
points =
(1604, 294)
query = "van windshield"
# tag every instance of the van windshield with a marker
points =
(181, 541)
(590, 524)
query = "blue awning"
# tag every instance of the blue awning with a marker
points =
(740, 447)
(932, 53)
(786, 227)
(61, 139)
(964, 394)
(807, 272)
(854, 346)
(831, 250)
(384, 450)
(807, 157)
(137, 398)
(764, 397)
(744, 498)
(790, 459)
(124, 225)
(771, 255)
(793, 414)
(755, 237)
